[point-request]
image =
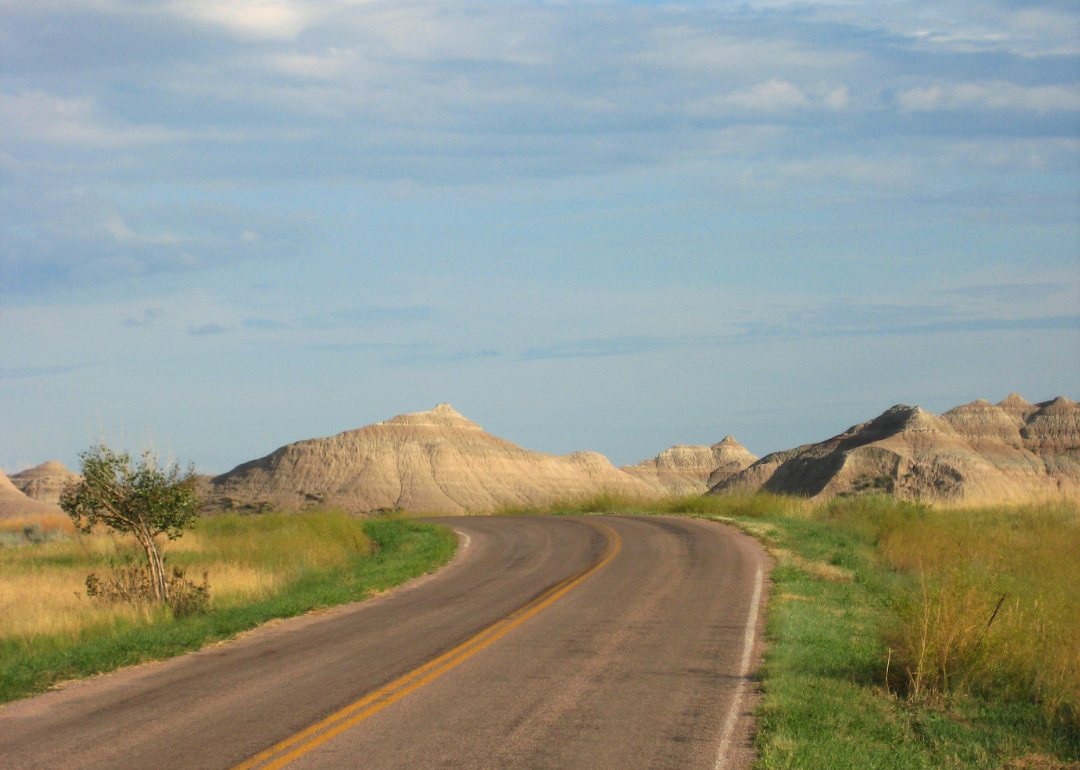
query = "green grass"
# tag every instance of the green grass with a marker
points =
(826, 702)
(361, 558)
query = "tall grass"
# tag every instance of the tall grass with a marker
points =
(984, 600)
(246, 558)
(992, 604)
(761, 504)
(57, 522)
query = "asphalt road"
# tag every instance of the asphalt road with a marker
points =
(549, 642)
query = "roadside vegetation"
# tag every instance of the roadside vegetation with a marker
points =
(254, 567)
(906, 636)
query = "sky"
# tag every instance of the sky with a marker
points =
(226, 225)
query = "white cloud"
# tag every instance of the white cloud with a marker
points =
(992, 95)
(424, 31)
(711, 49)
(39, 117)
(259, 19)
(772, 96)
(320, 66)
(55, 241)
(837, 99)
(962, 25)
(417, 89)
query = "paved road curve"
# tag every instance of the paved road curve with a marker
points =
(614, 642)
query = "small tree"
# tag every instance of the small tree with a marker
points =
(143, 500)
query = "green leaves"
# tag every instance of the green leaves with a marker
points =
(139, 498)
(143, 500)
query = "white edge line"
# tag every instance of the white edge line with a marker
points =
(744, 669)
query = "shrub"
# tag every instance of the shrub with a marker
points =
(187, 598)
(129, 584)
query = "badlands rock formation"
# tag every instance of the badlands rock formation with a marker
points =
(15, 505)
(979, 452)
(45, 482)
(691, 470)
(435, 461)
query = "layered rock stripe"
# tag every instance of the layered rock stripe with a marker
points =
(980, 452)
(435, 461)
(44, 482)
(440, 462)
(14, 504)
(691, 470)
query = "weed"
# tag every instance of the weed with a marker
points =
(187, 597)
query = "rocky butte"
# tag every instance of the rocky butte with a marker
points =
(441, 462)
(44, 482)
(435, 461)
(976, 453)
(16, 505)
(691, 470)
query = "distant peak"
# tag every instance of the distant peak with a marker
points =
(978, 405)
(443, 415)
(1014, 400)
(898, 411)
(1061, 403)
(50, 468)
(5, 483)
(900, 418)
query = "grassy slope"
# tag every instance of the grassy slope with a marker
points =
(405, 549)
(826, 704)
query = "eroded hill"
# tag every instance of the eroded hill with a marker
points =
(691, 470)
(979, 452)
(435, 461)
(44, 482)
(16, 505)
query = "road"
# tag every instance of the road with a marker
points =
(549, 642)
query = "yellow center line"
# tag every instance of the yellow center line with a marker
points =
(284, 752)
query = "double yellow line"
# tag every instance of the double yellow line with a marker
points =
(281, 754)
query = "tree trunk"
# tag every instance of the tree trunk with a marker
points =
(157, 567)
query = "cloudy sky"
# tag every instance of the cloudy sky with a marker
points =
(231, 224)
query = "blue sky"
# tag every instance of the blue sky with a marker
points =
(231, 224)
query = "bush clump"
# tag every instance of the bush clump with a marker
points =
(132, 584)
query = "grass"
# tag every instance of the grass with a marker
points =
(699, 505)
(1018, 567)
(259, 568)
(849, 597)
(881, 653)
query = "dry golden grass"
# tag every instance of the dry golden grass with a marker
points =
(756, 505)
(817, 569)
(51, 602)
(57, 521)
(995, 603)
(43, 586)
